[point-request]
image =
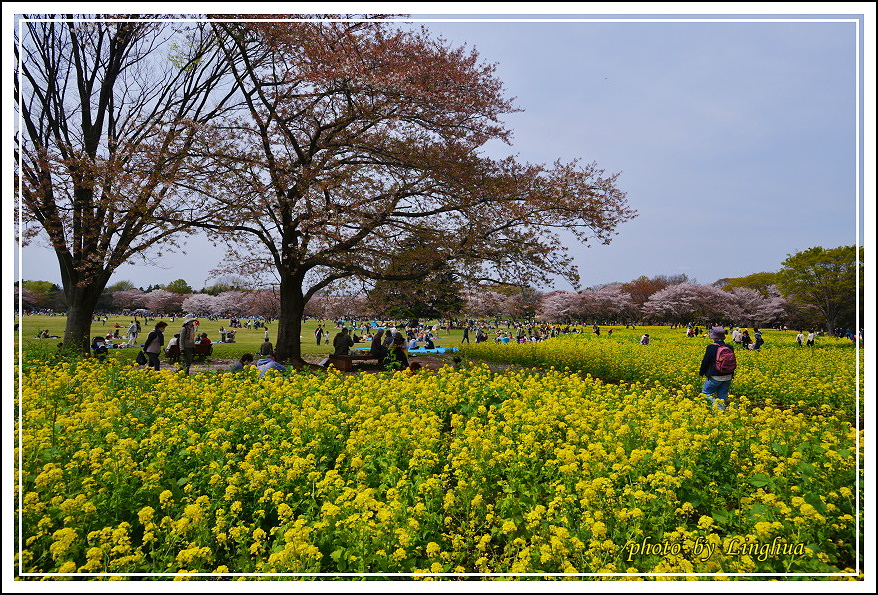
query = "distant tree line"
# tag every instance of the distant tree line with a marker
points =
(813, 289)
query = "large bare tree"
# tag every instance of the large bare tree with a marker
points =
(356, 138)
(108, 109)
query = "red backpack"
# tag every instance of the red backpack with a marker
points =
(726, 363)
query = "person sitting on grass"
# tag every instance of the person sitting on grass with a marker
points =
(396, 358)
(377, 350)
(99, 347)
(245, 360)
(266, 348)
(268, 363)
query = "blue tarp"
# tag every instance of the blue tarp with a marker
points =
(414, 351)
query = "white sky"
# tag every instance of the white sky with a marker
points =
(737, 140)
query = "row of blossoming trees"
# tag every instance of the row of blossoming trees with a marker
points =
(678, 303)
(228, 303)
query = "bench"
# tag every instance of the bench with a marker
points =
(202, 351)
(345, 363)
(173, 354)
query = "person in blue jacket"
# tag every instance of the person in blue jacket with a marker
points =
(716, 382)
(269, 363)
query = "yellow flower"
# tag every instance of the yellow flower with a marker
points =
(63, 539)
(166, 498)
(68, 566)
(145, 514)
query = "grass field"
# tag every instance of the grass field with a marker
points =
(246, 340)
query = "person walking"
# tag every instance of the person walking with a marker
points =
(153, 345)
(810, 341)
(319, 333)
(800, 338)
(132, 334)
(465, 334)
(718, 368)
(187, 343)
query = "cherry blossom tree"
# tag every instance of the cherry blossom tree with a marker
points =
(263, 302)
(130, 299)
(484, 304)
(757, 309)
(230, 303)
(199, 304)
(614, 303)
(29, 299)
(688, 302)
(162, 300)
(558, 306)
(358, 137)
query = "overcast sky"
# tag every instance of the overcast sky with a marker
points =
(736, 140)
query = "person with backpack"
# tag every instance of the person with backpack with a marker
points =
(718, 367)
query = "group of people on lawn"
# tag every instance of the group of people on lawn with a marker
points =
(389, 350)
(183, 344)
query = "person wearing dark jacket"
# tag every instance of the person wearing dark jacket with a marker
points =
(715, 382)
(342, 342)
(757, 339)
(99, 346)
(153, 345)
(377, 349)
(396, 357)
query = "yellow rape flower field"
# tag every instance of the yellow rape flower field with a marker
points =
(123, 471)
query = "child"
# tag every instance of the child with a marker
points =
(644, 340)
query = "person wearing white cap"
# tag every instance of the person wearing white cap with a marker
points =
(718, 367)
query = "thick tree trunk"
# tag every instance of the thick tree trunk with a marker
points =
(81, 303)
(82, 297)
(288, 344)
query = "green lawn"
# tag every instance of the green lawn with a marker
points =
(246, 340)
